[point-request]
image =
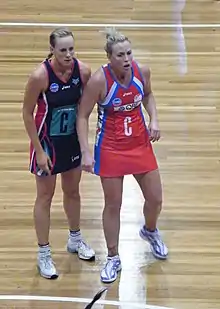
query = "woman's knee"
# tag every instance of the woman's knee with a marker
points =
(70, 183)
(45, 192)
(155, 198)
(71, 192)
(44, 199)
(112, 188)
(113, 203)
(152, 188)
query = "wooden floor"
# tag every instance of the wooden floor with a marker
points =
(186, 81)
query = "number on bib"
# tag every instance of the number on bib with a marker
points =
(63, 121)
(127, 128)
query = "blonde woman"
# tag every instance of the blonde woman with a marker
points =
(123, 143)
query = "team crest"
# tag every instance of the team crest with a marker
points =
(137, 98)
(75, 81)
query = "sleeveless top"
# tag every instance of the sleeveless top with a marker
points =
(121, 124)
(58, 105)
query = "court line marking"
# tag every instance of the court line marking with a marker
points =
(103, 25)
(79, 300)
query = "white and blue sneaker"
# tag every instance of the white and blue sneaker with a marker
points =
(110, 271)
(84, 251)
(46, 265)
(158, 248)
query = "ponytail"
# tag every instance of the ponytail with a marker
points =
(49, 56)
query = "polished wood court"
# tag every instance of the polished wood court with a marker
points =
(186, 82)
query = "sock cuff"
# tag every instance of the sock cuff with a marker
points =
(75, 234)
(44, 246)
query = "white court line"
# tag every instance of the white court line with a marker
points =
(79, 300)
(102, 25)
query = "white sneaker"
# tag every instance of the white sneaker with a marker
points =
(46, 266)
(81, 248)
(110, 271)
(158, 247)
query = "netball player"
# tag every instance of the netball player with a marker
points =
(55, 86)
(123, 144)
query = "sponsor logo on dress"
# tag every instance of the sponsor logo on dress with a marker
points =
(65, 87)
(127, 107)
(75, 158)
(54, 87)
(127, 93)
(116, 102)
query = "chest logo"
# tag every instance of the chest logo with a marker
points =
(75, 81)
(138, 98)
(65, 87)
(127, 93)
(117, 102)
(54, 87)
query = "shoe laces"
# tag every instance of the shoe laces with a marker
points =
(112, 263)
(82, 245)
(155, 238)
(47, 260)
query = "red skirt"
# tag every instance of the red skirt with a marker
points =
(116, 163)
